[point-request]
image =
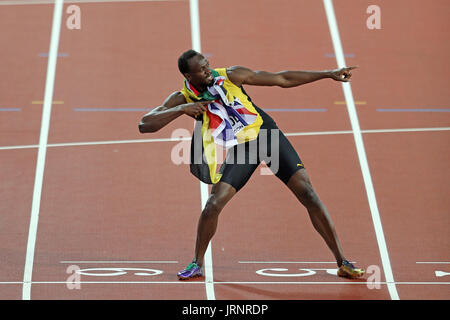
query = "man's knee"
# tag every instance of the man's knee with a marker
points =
(307, 194)
(216, 202)
(213, 206)
(303, 189)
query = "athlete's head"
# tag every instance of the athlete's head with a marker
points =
(195, 68)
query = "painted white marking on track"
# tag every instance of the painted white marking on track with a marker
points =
(34, 2)
(290, 134)
(113, 272)
(334, 32)
(281, 272)
(204, 193)
(43, 138)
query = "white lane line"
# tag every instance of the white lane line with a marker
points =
(94, 143)
(328, 282)
(105, 262)
(195, 25)
(432, 262)
(75, 144)
(234, 282)
(328, 4)
(24, 2)
(204, 193)
(208, 262)
(317, 133)
(302, 262)
(406, 130)
(40, 164)
(400, 130)
(31, 146)
(290, 134)
(107, 282)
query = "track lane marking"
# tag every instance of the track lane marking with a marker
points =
(291, 134)
(294, 262)
(359, 143)
(204, 192)
(123, 261)
(34, 2)
(433, 262)
(42, 149)
(236, 282)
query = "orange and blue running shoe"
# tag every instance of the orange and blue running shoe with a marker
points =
(193, 270)
(348, 270)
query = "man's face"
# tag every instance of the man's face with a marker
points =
(199, 72)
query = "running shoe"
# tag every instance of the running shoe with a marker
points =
(193, 270)
(348, 270)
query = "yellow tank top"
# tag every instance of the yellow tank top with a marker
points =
(209, 174)
(251, 131)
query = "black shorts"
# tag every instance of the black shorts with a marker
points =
(271, 146)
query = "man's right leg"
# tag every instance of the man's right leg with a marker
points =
(221, 193)
(235, 175)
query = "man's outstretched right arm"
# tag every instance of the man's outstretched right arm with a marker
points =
(174, 106)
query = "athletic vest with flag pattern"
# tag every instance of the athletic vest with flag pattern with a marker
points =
(230, 119)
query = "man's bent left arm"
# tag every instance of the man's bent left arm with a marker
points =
(285, 79)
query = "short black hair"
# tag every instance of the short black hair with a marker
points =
(183, 65)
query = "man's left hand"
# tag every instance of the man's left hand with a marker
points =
(342, 74)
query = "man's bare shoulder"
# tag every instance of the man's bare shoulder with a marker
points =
(237, 69)
(238, 74)
(174, 99)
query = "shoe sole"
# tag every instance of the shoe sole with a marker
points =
(188, 278)
(345, 274)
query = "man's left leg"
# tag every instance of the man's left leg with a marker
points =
(291, 171)
(301, 186)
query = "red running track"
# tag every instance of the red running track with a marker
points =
(114, 204)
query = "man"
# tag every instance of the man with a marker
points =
(216, 98)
